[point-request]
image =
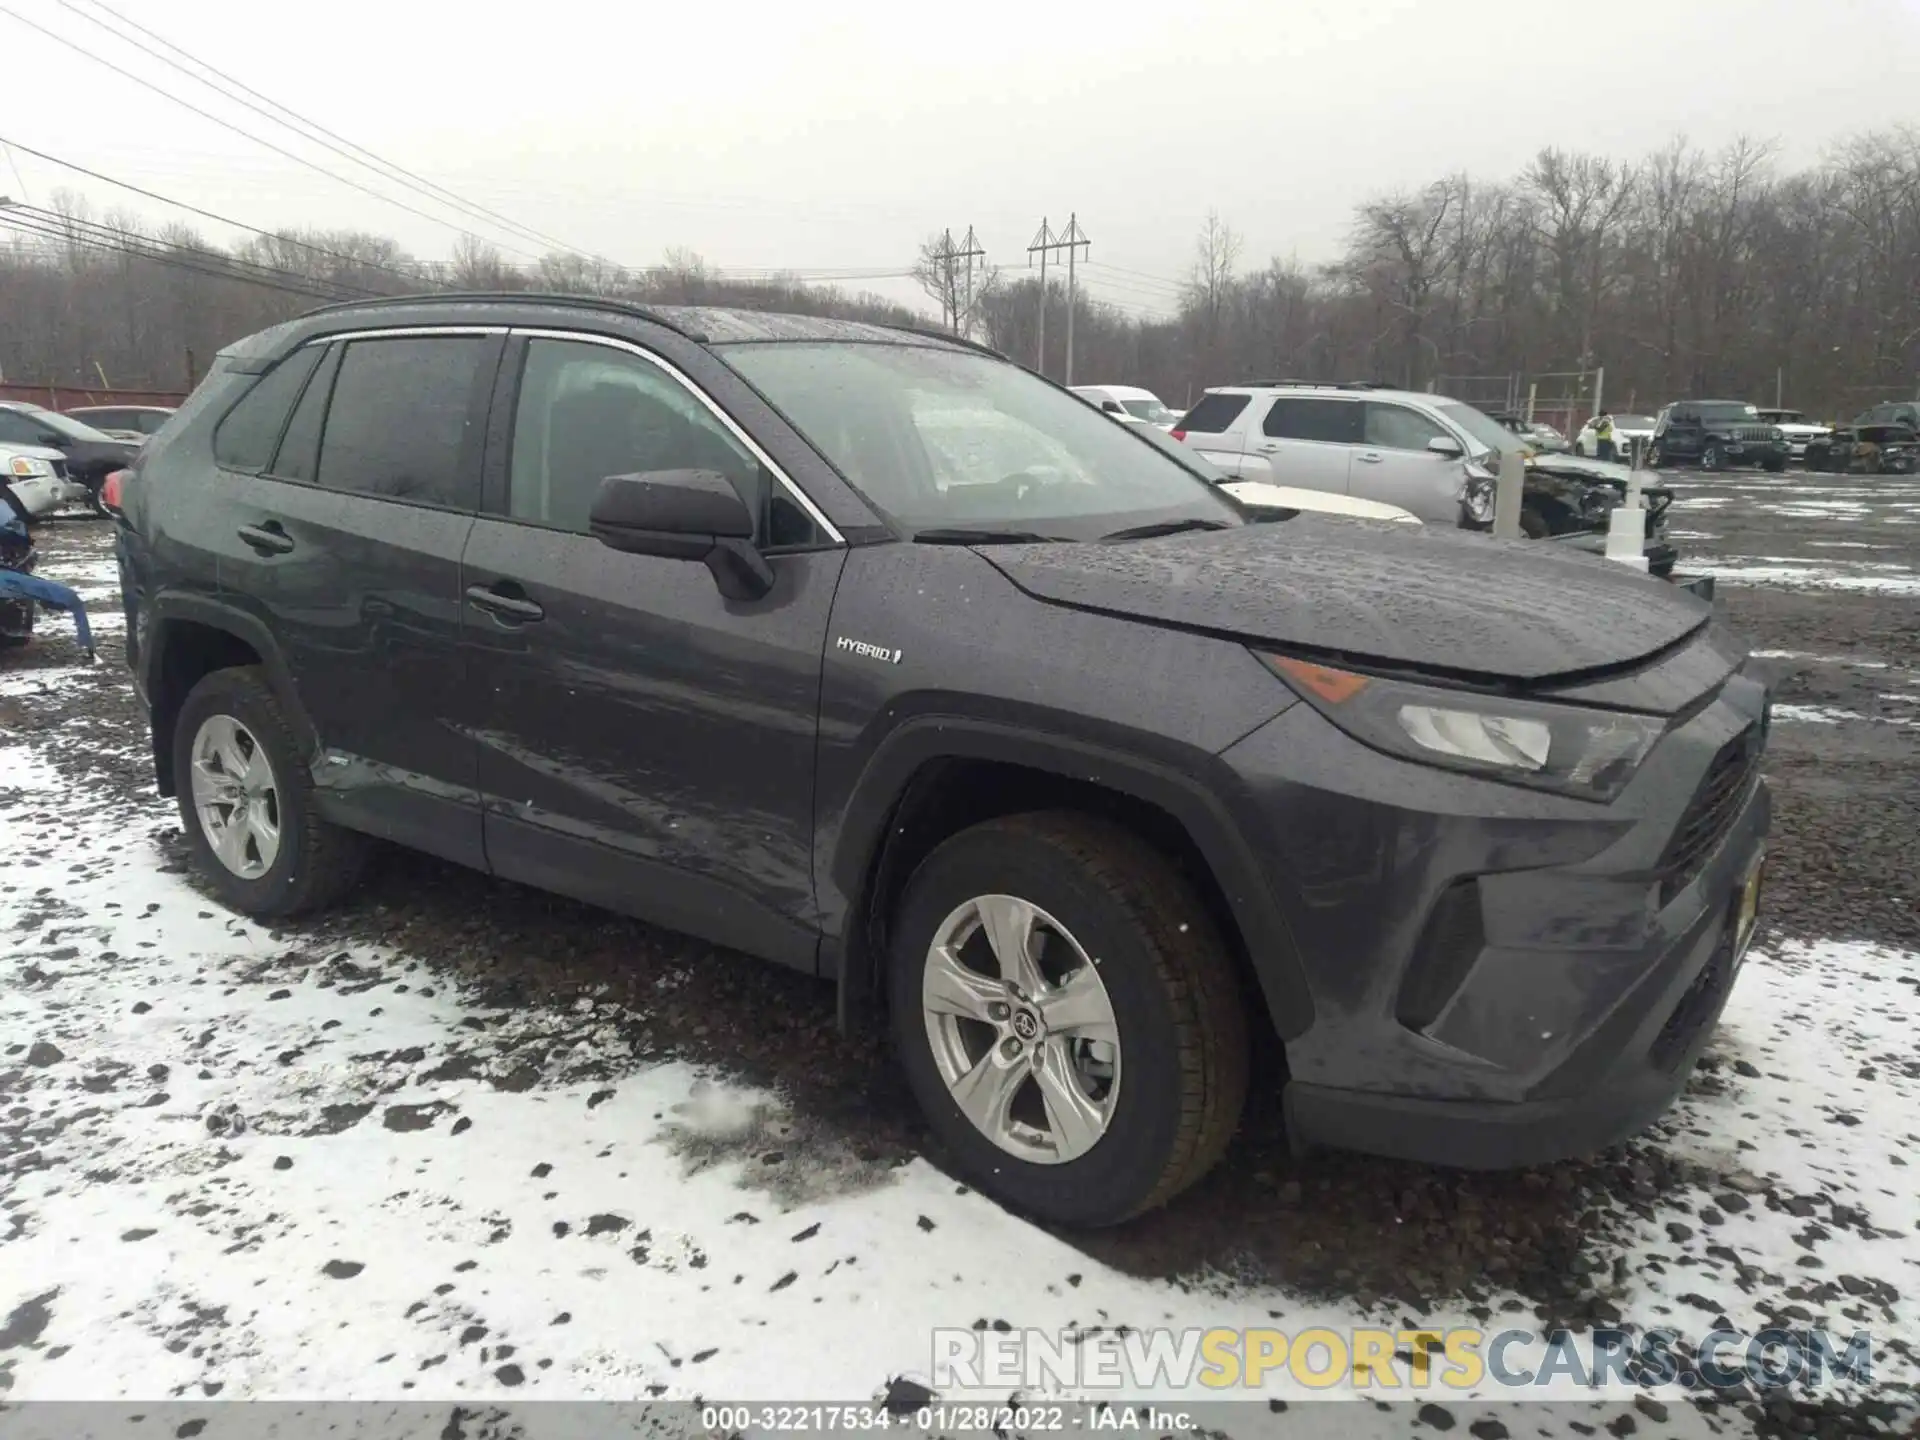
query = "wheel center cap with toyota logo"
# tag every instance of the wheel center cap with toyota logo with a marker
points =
(1026, 1024)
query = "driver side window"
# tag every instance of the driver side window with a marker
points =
(1394, 427)
(588, 411)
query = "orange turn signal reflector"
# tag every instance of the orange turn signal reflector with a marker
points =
(1333, 686)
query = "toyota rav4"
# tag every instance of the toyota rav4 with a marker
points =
(1032, 744)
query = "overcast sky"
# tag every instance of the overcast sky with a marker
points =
(833, 137)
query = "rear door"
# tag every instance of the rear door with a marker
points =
(646, 743)
(1393, 464)
(1309, 440)
(1217, 428)
(345, 542)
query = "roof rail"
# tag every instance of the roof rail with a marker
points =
(524, 297)
(946, 335)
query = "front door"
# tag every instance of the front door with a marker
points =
(645, 742)
(1308, 441)
(1394, 466)
(346, 543)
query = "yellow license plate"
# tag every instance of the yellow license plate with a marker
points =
(1749, 912)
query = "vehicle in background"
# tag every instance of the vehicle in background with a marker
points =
(1797, 428)
(1540, 437)
(36, 477)
(1715, 434)
(1129, 400)
(1629, 432)
(1891, 412)
(90, 455)
(124, 422)
(17, 557)
(708, 637)
(1883, 449)
(1267, 501)
(1415, 451)
(1434, 457)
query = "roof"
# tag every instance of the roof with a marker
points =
(707, 324)
(1121, 392)
(1356, 390)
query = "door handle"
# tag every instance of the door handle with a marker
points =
(1266, 447)
(512, 609)
(266, 539)
(1372, 457)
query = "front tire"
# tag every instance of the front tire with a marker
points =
(246, 802)
(1711, 457)
(1067, 1017)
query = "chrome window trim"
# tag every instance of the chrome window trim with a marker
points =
(404, 332)
(587, 337)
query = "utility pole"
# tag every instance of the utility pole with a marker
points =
(972, 250)
(1044, 243)
(1074, 240)
(1071, 240)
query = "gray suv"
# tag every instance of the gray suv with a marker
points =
(1420, 452)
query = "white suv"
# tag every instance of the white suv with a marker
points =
(1426, 454)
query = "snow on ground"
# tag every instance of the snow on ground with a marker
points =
(237, 1167)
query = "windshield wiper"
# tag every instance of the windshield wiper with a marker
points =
(956, 535)
(1165, 527)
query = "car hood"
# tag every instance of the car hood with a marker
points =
(1408, 597)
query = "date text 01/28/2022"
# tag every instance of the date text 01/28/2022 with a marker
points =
(935, 1418)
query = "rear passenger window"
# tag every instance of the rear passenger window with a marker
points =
(299, 457)
(398, 423)
(1395, 427)
(1303, 417)
(245, 439)
(1214, 414)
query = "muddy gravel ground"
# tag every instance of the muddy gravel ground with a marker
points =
(1819, 574)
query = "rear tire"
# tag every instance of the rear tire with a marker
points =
(250, 800)
(1152, 1110)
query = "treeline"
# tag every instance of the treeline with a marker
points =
(110, 302)
(1682, 273)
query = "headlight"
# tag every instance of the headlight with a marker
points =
(26, 468)
(1779, 434)
(1591, 754)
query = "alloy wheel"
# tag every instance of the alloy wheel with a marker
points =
(236, 797)
(1022, 1029)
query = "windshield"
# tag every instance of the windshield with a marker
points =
(945, 438)
(66, 426)
(1151, 411)
(1484, 429)
(1728, 410)
(1633, 422)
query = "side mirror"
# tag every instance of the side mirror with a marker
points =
(49, 440)
(1446, 445)
(683, 515)
(1112, 407)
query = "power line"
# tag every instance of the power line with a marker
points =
(245, 134)
(53, 238)
(313, 130)
(73, 229)
(209, 214)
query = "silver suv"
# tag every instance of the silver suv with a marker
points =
(1399, 447)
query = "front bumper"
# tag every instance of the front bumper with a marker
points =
(1502, 977)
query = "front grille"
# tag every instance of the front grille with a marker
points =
(59, 469)
(1753, 434)
(1712, 811)
(1699, 1005)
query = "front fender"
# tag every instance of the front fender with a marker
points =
(1194, 800)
